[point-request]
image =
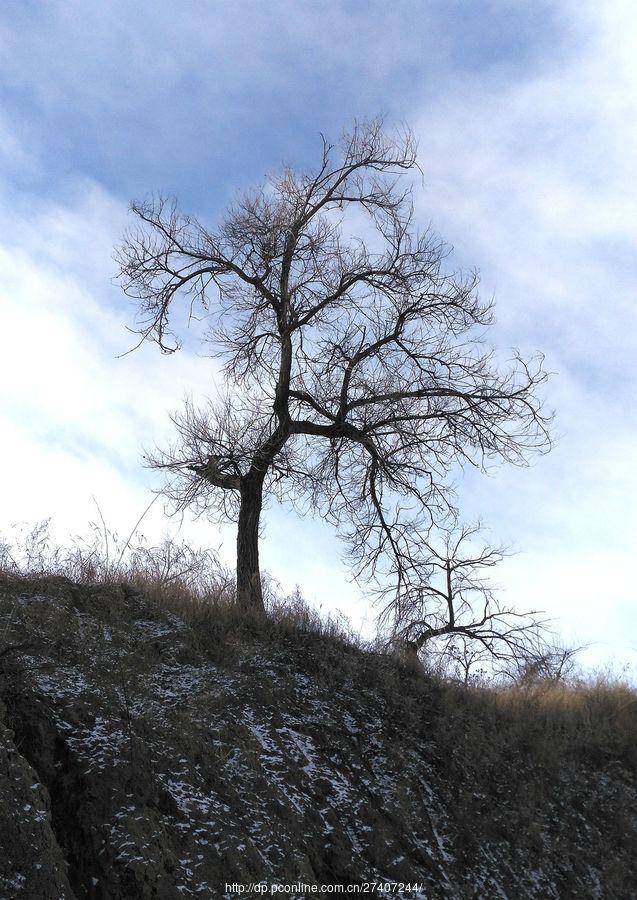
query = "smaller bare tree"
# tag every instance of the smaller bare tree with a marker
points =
(452, 611)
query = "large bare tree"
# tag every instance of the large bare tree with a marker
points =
(355, 368)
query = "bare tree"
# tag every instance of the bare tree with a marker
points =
(453, 603)
(356, 372)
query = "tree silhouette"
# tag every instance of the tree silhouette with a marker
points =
(355, 368)
(452, 612)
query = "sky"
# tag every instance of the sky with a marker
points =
(526, 117)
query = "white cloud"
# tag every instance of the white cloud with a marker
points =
(534, 182)
(75, 416)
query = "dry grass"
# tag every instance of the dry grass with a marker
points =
(596, 716)
(191, 583)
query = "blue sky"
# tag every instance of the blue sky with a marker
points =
(142, 94)
(526, 116)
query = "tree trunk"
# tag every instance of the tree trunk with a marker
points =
(249, 594)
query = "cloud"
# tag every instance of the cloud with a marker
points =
(197, 101)
(75, 416)
(529, 179)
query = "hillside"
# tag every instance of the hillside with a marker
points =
(149, 755)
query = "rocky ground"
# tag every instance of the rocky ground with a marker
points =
(142, 758)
